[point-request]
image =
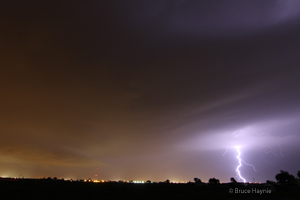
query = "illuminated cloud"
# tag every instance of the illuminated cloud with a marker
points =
(149, 89)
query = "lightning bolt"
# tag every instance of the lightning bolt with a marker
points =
(240, 165)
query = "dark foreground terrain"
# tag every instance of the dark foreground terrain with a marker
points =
(19, 189)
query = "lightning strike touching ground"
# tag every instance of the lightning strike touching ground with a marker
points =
(240, 164)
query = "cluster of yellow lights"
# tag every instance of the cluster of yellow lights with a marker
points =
(126, 181)
(138, 181)
(103, 181)
(95, 181)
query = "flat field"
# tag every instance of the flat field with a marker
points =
(20, 189)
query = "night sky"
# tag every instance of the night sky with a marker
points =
(149, 89)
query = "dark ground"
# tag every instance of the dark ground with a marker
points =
(19, 189)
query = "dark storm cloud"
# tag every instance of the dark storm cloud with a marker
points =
(207, 18)
(140, 83)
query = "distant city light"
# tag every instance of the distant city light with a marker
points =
(138, 181)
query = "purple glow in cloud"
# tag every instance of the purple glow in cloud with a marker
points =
(260, 134)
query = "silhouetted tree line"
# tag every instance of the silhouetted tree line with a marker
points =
(283, 178)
